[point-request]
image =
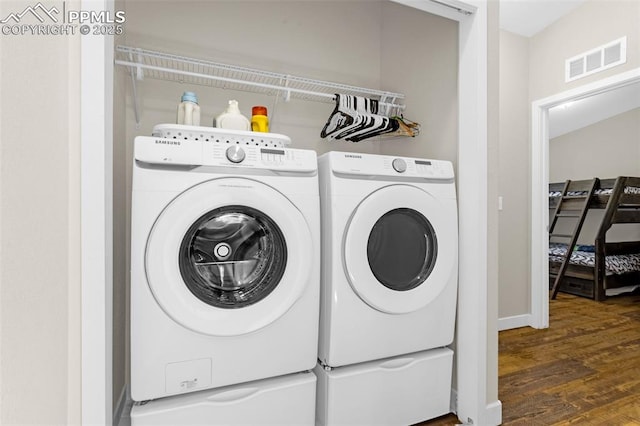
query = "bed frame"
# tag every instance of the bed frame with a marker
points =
(620, 207)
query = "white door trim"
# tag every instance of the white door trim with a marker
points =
(473, 353)
(96, 130)
(540, 185)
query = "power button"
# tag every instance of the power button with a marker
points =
(235, 154)
(399, 165)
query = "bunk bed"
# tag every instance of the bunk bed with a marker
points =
(594, 270)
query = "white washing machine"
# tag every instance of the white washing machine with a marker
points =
(224, 260)
(390, 256)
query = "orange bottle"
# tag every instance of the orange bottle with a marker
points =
(259, 119)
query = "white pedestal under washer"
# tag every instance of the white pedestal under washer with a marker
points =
(390, 256)
(224, 261)
(279, 401)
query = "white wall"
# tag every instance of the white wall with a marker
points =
(39, 224)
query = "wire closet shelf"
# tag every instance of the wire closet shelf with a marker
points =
(144, 63)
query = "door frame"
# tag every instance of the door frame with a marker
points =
(476, 326)
(96, 221)
(476, 349)
(540, 185)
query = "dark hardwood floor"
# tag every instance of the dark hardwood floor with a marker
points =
(583, 370)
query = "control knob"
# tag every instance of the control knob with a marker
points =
(235, 154)
(399, 165)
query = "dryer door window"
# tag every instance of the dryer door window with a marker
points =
(232, 257)
(402, 249)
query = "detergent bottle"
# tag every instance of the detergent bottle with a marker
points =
(189, 110)
(232, 118)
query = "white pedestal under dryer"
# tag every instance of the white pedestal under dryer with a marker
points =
(390, 256)
(402, 390)
(224, 260)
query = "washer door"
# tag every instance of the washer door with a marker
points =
(228, 257)
(400, 249)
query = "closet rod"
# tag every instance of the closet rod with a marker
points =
(457, 6)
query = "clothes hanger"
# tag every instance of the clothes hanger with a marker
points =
(340, 118)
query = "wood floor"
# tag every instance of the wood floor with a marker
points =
(583, 370)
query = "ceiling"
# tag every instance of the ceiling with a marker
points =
(529, 17)
(584, 112)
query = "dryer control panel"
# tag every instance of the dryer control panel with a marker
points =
(390, 166)
(230, 153)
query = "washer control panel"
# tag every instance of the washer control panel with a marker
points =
(390, 166)
(154, 150)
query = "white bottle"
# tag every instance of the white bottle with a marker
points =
(189, 110)
(232, 118)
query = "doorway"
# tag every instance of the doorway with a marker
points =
(540, 184)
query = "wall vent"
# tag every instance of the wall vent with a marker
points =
(596, 60)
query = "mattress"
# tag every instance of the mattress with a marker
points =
(605, 191)
(585, 256)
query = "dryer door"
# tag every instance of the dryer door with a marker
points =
(228, 257)
(400, 248)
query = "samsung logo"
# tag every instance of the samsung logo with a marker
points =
(352, 156)
(167, 142)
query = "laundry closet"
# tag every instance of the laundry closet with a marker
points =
(372, 44)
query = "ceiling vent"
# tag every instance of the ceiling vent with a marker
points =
(596, 60)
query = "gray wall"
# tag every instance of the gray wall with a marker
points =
(514, 167)
(39, 228)
(121, 230)
(606, 149)
(593, 24)
(590, 25)
(410, 40)
(366, 44)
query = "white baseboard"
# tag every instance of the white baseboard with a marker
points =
(454, 401)
(516, 321)
(493, 413)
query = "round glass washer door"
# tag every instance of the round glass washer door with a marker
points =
(400, 248)
(228, 257)
(232, 257)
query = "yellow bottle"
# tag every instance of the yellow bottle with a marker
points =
(259, 119)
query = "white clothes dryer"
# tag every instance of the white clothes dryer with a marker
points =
(390, 256)
(224, 260)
